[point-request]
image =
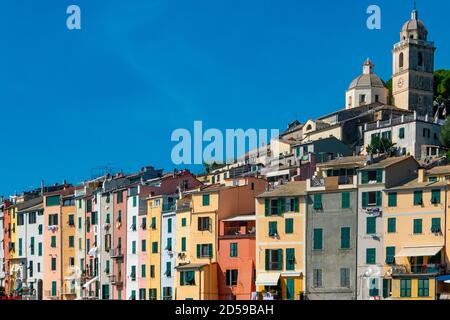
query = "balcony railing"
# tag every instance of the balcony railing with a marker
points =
(418, 269)
(167, 207)
(115, 280)
(116, 253)
(239, 232)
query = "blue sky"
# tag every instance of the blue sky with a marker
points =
(113, 92)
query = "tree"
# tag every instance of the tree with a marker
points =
(442, 85)
(381, 145)
(210, 167)
(445, 133)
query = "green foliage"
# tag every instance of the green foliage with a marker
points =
(210, 167)
(442, 84)
(445, 133)
(389, 86)
(380, 145)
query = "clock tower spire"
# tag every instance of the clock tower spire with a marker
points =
(413, 67)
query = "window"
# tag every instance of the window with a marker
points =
(54, 286)
(203, 223)
(88, 205)
(386, 135)
(183, 244)
(32, 245)
(289, 226)
(231, 278)
(370, 256)
(40, 229)
(345, 200)
(205, 200)
(204, 250)
(143, 271)
(417, 226)
(345, 277)
(107, 269)
(71, 241)
(400, 60)
(120, 197)
(317, 239)
(420, 59)
(436, 225)
(371, 199)
(119, 216)
(377, 98)
(52, 201)
(169, 244)
(152, 271)
(40, 249)
(134, 201)
(274, 259)
(436, 196)
(290, 259)
(418, 200)
(392, 225)
(133, 247)
(233, 250)
(53, 264)
(401, 133)
(155, 247)
(432, 179)
(169, 225)
(168, 272)
(32, 217)
(390, 255)
(187, 278)
(273, 232)
(373, 287)
(371, 225)
(53, 242)
(405, 288)
(133, 273)
(292, 205)
(317, 278)
(153, 225)
(143, 245)
(20, 246)
(426, 132)
(133, 223)
(424, 288)
(345, 238)
(372, 176)
(183, 222)
(362, 98)
(53, 219)
(392, 199)
(318, 202)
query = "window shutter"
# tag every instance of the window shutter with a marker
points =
(267, 253)
(280, 259)
(198, 251)
(364, 199)
(364, 177)
(199, 223)
(392, 199)
(289, 226)
(379, 199)
(290, 259)
(280, 206)
(379, 175)
(266, 207)
(345, 200)
(296, 206)
(210, 250)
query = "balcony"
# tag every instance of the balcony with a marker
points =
(116, 253)
(332, 182)
(116, 280)
(168, 207)
(238, 232)
(418, 269)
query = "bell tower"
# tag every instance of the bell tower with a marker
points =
(413, 67)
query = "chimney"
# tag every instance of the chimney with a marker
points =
(421, 174)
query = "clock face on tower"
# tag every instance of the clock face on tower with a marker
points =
(400, 82)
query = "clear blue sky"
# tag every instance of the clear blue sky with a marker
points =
(113, 92)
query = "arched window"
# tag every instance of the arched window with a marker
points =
(420, 59)
(309, 127)
(400, 60)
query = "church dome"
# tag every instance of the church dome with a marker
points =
(368, 79)
(414, 25)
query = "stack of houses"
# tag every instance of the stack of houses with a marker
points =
(312, 215)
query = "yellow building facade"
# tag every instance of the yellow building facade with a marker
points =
(154, 210)
(414, 238)
(280, 242)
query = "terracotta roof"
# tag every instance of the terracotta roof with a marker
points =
(293, 188)
(439, 170)
(414, 184)
(382, 164)
(357, 160)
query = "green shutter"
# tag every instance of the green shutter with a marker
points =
(198, 251)
(364, 177)
(296, 206)
(370, 256)
(364, 199)
(345, 238)
(379, 175)
(280, 259)
(436, 196)
(345, 200)
(317, 239)
(418, 198)
(289, 226)
(267, 254)
(392, 225)
(169, 225)
(205, 200)
(417, 229)
(273, 230)
(392, 199)
(371, 226)
(317, 202)
(40, 249)
(436, 225)
(266, 207)
(379, 198)
(290, 259)
(183, 244)
(281, 206)
(210, 250)
(390, 255)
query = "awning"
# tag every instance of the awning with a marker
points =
(267, 279)
(445, 278)
(426, 251)
(250, 217)
(87, 284)
(278, 173)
